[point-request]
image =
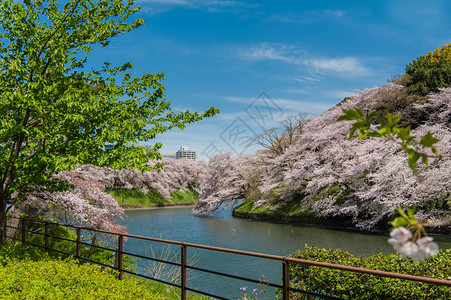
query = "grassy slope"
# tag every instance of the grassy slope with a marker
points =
(135, 198)
(296, 206)
(28, 273)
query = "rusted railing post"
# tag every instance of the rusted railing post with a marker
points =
(286, 279)
(24, 232)
(78, 245)
(46, 237)
(5, 227)
(120, 250)
(183, 271)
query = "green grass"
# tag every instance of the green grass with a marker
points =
(29, 273)
(297, 205)
(64, 279)
(134, 198)
(290, 208)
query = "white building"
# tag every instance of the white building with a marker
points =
(185, 153)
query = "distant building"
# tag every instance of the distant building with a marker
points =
(185, 153)
(171, 156)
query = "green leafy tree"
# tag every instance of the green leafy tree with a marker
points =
(54, 114)
(431, 71)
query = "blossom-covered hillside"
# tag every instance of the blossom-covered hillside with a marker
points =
(325, 175)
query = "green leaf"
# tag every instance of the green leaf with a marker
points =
(399, 222)
(412, 160)
(424, 159)
(428, 140)
(402, 213)
(349, 115)
(410, 212)
(373, 114)
(404, 133)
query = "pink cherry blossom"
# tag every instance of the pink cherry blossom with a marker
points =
(401, 235)
(427, 245)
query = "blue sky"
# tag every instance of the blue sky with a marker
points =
(261, 61)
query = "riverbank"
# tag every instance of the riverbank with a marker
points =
(136, 199)
(309, 220)
(337, 222)
(168, 205)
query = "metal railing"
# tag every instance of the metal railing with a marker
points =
(285, 288)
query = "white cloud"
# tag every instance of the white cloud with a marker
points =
(308, 17)
(290, 106)
(310, 107)
(267, 51)
(167, 2)
(307, 79)
(159, 6)
(345, 66)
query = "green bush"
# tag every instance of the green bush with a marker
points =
(15, 251)
(350, 285)
(431, 71)
(400, 102)
(66, 280)
(95, 254)
(27, 272)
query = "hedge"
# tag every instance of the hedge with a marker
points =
(350, 285)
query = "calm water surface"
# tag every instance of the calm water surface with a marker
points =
(225, 231)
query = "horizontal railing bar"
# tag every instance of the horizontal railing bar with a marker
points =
(233, 251)
(61, 238)
(152, 278)
(97, 246)
(145, 238)
(35, 245)
(98, 263)
(235, 277)
(51, 249)
(153, 259)
(370, 271)
(206, 294)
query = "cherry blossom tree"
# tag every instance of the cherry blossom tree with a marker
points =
(84, 204)
(226, 182)
(172, 176)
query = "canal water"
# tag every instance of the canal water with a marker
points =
(223, 230)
